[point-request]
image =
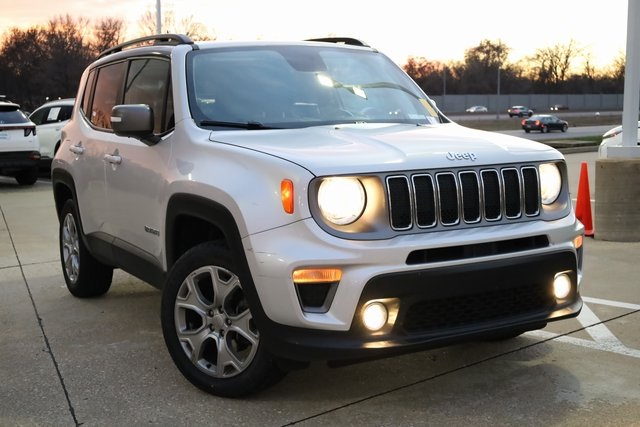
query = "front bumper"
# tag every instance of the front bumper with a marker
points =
(443, 306)
(485, 291)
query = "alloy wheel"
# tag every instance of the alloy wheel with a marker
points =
(213, 323)
(70, 248)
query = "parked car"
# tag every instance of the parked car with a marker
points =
(49, 119)
(519, 110)
(477, 109)
(558, 107)
(19, 147)
(613, 138)
(544, 123)
(304, 200)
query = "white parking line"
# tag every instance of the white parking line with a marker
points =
(603, 338)
(611, 303)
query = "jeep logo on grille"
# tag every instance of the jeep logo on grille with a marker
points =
(462, 156)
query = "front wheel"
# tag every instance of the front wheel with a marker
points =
(564, 128)
(209, 329)
(84, 275)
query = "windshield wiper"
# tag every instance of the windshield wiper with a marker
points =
(236, 125)
(389, 85)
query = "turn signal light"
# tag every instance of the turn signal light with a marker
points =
(317, 275)
(577, 242)
(286, 192)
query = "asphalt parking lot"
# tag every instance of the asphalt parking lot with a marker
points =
(102, 362)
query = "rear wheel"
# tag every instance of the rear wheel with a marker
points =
(84, 275)
(527, 130)
(27, 176)
(209, 329)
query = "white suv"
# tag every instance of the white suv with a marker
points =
(19, 146)
(50, 118)
(303, 201)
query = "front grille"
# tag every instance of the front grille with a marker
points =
(460, 311)
(450, 198)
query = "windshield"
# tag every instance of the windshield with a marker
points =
(298, 86)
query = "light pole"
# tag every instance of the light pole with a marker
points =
(444, 86)
(158, 17)
(618, 179)
(498, 97)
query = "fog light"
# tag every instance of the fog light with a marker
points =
(561, 285)
(374, 316)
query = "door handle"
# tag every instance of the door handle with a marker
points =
(113, 159)
(77, 149)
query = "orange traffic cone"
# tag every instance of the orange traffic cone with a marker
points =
(583, 203)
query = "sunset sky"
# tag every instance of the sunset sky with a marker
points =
(440, 30)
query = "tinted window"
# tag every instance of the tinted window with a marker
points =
(64, 113)
(107, 94)
(148, 83)
(86, 96)
(12, 115)
(54, 114)
(38, 116)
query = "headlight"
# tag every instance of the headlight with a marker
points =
(550, 183)
(341, 200)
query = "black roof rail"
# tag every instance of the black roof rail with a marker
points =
(157, 39)
(340, 40)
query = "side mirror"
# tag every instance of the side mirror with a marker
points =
(135, 121)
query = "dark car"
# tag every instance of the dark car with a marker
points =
(544, 123)
(519, 110)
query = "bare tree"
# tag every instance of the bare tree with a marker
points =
(428, 74)
(23, 60)
(616, 71)
(187, 25)
(481, 65)
(488, 54)
(551, 65)
(589, 71)
(47, 62)
(107, 32)
(67, 54)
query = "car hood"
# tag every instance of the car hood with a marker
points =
(369, 148)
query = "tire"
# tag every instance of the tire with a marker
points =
(27, 176)
(544, 129)
(206, 319)
(527, 130)
(85, 276)
(564, 128)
